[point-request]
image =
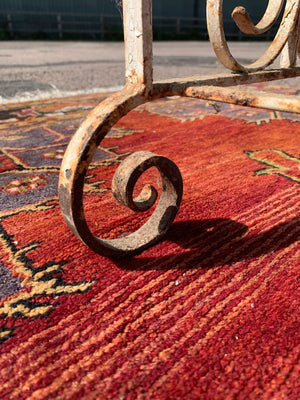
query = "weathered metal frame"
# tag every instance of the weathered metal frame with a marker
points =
(137, 17)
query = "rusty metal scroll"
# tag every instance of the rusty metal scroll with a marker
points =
(140, 89)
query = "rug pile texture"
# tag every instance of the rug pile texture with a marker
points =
(211, 312)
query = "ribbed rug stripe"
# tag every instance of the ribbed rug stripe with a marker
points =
(221, 305)
(134, 294)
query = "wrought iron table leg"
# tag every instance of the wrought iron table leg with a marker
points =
(137, 18)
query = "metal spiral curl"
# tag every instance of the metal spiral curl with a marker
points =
(74, 168)
(124, 181)
(216, 33)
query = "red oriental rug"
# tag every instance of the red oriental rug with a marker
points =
(212, 312)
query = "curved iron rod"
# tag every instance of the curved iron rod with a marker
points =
(243, 20)
(219, 43)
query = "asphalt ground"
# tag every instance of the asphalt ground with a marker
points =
(45, 69)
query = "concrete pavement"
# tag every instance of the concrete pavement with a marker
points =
(37, 69)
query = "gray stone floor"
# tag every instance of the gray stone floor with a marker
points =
(36, 69)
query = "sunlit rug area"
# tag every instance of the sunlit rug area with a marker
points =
(211, 312)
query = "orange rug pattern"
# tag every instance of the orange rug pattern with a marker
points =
(212, 312)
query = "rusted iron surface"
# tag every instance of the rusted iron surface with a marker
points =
(218, 40)
(125, 178)
(243, 20)
(289, 53)
(246, 98)
(137, 20)
(78, 156)
(140, 89)
(178, 87)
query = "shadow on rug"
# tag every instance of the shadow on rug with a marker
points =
(212, 312)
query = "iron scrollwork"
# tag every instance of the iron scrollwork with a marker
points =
(289, 26)
(74, 168)
(137, 17)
